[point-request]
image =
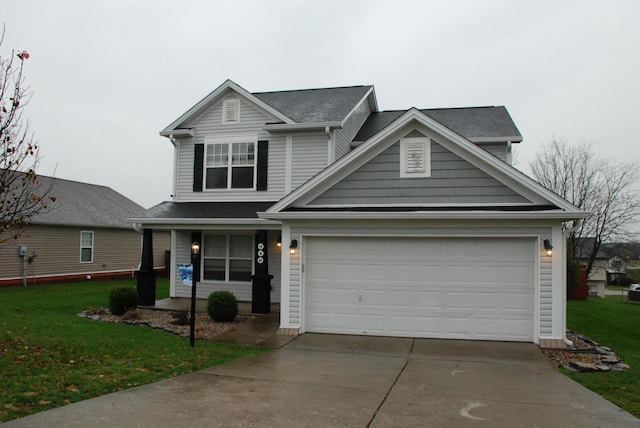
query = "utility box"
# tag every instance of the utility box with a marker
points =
(22, 250)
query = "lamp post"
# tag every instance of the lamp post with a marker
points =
(195, 262)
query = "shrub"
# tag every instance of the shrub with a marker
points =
(122, 299)
(222, 306)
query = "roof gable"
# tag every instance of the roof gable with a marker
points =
(324, 106)
(411, 120)
(452, 181)
(203, 105)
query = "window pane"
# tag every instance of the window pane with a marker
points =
(216, 178)
(214, 269)
(86, 239)
(241, 246)
(240, 270)
(217, 154)
(242, 154)
(85, 255)
(242, 177)
(215, 246)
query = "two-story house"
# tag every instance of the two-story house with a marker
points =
(395, 223)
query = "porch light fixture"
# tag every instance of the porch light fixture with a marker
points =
(279, 242)
(548, 247)
(195, 267)
(195, 249)
(293, 246)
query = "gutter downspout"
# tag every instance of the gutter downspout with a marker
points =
(331, 146)
(175, 164)
(565, 234)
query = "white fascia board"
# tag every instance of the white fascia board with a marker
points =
(307, 126)
(481, 140)
(422, 215)
(180, 132)
(228, 84)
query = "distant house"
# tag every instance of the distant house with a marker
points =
(609, 263)
(85, 234)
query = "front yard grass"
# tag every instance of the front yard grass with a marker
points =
(614, 324)
(50, 357)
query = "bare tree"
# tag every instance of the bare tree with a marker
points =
(21, 195)
(606, 188)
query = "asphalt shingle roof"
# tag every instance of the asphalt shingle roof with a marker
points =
(175, 210)
(86, 205)
(315, 105)
(470, 122)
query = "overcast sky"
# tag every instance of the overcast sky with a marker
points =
(107, 76)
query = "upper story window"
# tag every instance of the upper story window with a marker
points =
(86, 247)
(230, 165)
(415, 157)
(231, 110)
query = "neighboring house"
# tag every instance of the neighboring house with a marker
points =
(83, 234)
(400, 223)
(604, 272)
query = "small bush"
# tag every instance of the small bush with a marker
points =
(222, 306)
(123, 299)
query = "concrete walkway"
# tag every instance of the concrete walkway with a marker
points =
(350, 381)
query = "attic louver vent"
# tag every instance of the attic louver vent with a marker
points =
(415, 157)
(231, 110)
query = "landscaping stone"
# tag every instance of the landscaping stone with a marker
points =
(584, 367)
(585, 355)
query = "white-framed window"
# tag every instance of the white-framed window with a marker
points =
(230, 165)
(415, 157)
(231, 110)
(86, 247)
(228, 258)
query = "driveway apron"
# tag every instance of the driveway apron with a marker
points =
(347, 381)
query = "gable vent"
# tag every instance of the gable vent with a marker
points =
(415, 157)
(231, 110)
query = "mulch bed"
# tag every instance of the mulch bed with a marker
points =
(176, 322)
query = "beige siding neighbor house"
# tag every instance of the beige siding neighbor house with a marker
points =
(83, 235)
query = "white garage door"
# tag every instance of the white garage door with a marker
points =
(457, 288)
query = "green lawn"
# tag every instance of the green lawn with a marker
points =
(50, 357)
(616, 325)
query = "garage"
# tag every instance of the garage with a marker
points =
(454, 288)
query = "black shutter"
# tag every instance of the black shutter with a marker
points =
(198, 167)
(196, 237)
(263, 156)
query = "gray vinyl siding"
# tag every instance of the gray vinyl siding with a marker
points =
(499, 150)
(350, 128)
(58, 250)
(210, 124)
(417, 229)
(242, 290)
(308, 157)
(453, 181)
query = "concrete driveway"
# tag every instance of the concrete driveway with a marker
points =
(347, 381)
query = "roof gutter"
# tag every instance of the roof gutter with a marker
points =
(307, 126)
(417, 215)
(180, 132)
